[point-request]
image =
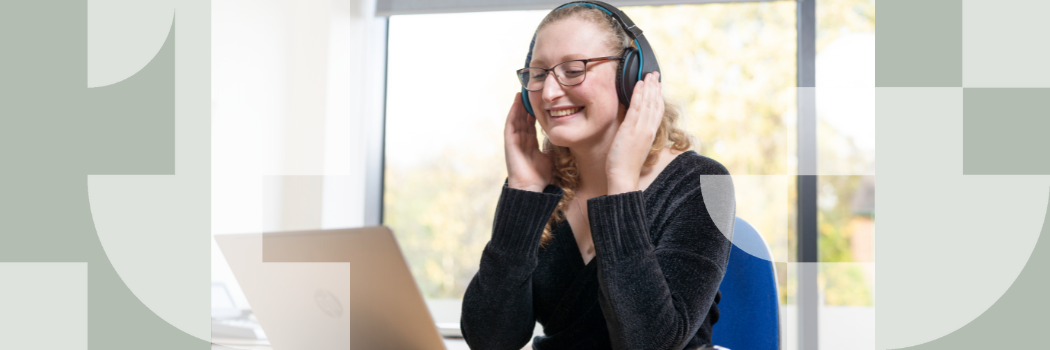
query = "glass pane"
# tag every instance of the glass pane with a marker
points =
(730, 66)
(845, 76)
(444, 138)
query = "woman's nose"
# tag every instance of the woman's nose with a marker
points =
(552, 90)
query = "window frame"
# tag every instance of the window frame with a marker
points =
(806, 180)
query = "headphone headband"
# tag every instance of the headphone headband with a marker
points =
(625, 22)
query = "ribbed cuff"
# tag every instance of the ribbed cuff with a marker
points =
(619, 226)
(520, 219)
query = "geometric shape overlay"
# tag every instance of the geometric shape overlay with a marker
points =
(123, 36)
(43, 306)
(1018, 319)
(1004, 43)
(948, 245)
(919, 44)
(1006, 131)
(153, 228)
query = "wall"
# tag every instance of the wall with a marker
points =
(296, 111)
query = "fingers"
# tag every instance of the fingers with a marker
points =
(511, 115)
(530, 128)
(656, 101)
(520, 115)
(520, 129)
(531, 120)
(646, 108)
(636, 110)
(517, 118)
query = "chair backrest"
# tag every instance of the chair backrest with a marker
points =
(749, 308)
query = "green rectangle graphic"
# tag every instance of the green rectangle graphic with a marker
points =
(1006, 131)
(919, 43)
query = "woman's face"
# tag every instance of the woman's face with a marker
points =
(593, 104)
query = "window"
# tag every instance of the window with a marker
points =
(444, 137)
(845, 80)
(731, 66)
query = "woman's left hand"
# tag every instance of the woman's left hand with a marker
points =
(635, 136)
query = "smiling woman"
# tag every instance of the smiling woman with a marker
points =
(602, 94)
(638, 265)
(729, 65)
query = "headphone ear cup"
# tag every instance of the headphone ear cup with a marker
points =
(525, 101)
(627, 75)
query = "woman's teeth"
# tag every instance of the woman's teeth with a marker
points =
(565, 112)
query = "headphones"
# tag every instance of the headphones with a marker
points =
(634, 62)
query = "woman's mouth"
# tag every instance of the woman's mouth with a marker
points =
(562, 113)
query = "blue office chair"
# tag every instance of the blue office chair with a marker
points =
(749, 308)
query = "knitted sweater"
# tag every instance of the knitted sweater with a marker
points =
(653, 284)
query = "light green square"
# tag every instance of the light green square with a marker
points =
(43, 306)
(1005, 44)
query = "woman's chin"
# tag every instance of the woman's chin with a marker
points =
(562, 140)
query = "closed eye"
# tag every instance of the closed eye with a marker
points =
(573, 73)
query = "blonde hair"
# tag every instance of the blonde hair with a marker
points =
(566, 175)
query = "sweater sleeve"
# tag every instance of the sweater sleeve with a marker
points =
(657, 296)
(497, 305)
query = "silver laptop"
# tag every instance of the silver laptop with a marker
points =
(331, 289)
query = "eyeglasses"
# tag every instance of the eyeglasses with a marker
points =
(568, 73)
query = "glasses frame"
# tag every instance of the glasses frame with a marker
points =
(558, 78)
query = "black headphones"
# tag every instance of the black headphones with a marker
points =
(634, 62)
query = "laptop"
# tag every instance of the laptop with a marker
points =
(228, 321)
(331, 289)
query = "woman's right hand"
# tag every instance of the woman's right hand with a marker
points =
(527, 167)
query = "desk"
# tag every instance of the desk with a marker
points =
(241, 344)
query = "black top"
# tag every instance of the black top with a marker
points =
(653, 283)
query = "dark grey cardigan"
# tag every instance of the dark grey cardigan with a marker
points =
(653, 284)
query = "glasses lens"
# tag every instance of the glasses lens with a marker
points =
(572, 72)
(532, 78)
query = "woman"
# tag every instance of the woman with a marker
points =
(604, 237)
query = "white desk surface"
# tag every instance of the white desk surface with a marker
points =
(238, 344)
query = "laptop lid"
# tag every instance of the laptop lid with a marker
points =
(331, 289)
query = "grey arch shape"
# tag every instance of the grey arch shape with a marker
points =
(1017, 320)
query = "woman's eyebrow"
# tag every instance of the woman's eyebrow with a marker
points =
(575, 56)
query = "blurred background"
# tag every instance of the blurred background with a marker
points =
(327, 114)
